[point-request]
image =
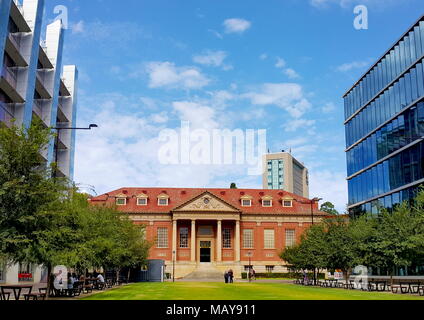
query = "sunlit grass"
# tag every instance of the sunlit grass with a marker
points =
(238, 291)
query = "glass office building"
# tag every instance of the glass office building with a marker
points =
(384, 124)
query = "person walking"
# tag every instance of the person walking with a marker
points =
(230, 275)
(226, 277)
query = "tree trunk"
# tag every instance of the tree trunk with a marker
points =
(49, 272)
(128, 275)
(346, 276)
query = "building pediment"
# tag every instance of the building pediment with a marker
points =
(206, 202)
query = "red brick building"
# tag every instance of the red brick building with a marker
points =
(219, 227)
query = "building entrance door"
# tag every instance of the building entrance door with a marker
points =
(205, 251)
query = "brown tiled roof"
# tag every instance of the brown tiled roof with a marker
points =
(179, 196)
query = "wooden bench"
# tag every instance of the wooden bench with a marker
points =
(88, 288)
(34, 296)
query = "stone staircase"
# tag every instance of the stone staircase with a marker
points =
(205, 272)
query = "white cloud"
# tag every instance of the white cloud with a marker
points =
(161, 117)
(329, 107)
(329, 185)
(263, 56)
(294, 125)
(77, 27)
(166, 74)
(292, 74)
(212, 58)
(199, 116)
(236, 25)
(353, 65)
(281, 63)
(288, 96)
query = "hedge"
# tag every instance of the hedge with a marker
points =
(290, 275)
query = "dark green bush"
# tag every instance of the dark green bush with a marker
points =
(289, 275)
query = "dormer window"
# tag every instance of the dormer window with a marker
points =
(142, 199)
(162, 202)
(266, 201)
(163, 199)
(287, 203)
(121, 201)
(246, 201)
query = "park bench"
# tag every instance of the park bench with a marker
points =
(88, 288)
(34, 296)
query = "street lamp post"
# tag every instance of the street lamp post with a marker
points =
(57, 142)
(249, 254)
(173, 266)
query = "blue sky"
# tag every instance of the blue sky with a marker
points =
(282, 66)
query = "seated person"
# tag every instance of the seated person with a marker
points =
(100, 278)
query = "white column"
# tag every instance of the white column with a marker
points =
(237, 244)
(193, 241)
(219, 242)
(174, 238)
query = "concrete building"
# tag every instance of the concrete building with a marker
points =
(207, 231)
(35, 84)
(281, 171)
(384, 123)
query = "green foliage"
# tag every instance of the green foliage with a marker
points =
(43, 220)
(329, 208)
(286, 275)
(27, 192)
(391, 239)
(233, 185)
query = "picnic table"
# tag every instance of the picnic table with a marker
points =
(331, 283)
(17, 290)
(407, 287)
(377, 285)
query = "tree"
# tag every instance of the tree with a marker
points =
(340, 247)
(233, 185)
(310, 253)
(29, 195)
(43, 220)
(329, 208)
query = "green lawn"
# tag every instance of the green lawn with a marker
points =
(236, 291)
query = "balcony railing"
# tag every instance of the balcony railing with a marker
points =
(10, 75)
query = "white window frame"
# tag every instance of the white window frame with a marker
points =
(269, 243)
(162, 243)
(248, 239)
(263, 203)
(291, 203)
(246, 205)
(121, 204)
(290, 237)
(142, 204)
(164, 205)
